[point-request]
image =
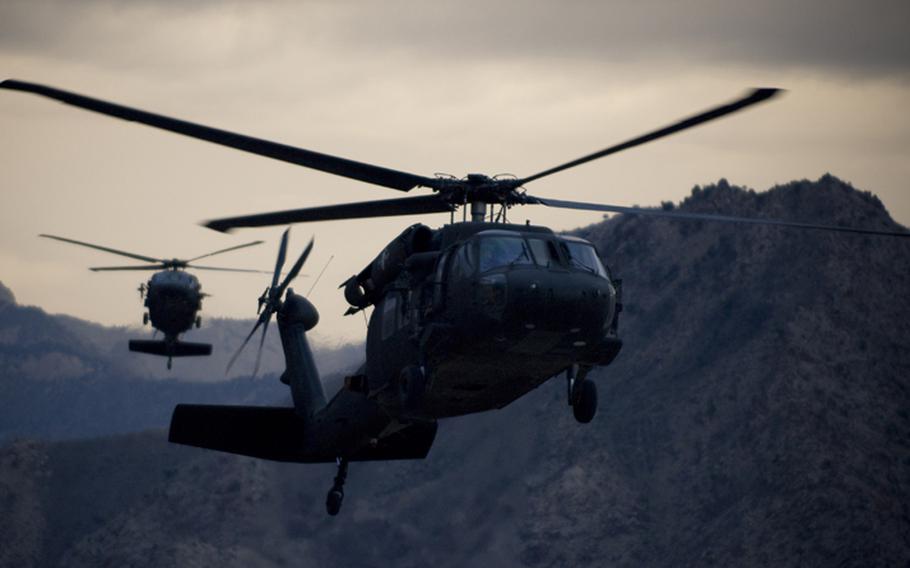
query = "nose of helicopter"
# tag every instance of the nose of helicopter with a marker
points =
(573, 302)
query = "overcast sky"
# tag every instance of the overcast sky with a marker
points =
(425, 87)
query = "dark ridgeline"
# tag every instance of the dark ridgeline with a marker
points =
(759, 415)
(63, 378)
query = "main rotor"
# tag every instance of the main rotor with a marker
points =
(157, 263)
(476, 191)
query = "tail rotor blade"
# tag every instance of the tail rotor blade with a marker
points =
(265, 330)
(282, 252)
(295, 269)
(270, 301)
(242, 345)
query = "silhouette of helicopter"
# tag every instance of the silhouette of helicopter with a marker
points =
(468, 317)
(172, 296)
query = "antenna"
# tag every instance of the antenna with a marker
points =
(321, 272)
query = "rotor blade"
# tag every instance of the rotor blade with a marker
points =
(282, 253)
(137, 267)
(756, 96)
(242, 345)
(295, 269)
(196, 267)
(105, 249)
(379, 208)
(369, 173)
(226, 250)
(703, 216)
(265, 330)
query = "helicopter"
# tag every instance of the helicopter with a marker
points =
(465, 318)
(172, 297)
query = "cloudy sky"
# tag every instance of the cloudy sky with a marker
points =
(426, 87)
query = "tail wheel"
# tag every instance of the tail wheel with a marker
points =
(411, 386)
(333, 501)
(584, 406)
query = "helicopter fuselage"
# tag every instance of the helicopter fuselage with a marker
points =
(483, 314)
(173, 298)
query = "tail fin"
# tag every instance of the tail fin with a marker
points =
(170, 349)
(295, 317)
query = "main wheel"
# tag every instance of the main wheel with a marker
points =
(333, 501)
(585, 406)
(145, 319)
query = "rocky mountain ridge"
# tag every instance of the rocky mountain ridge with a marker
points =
(61, 377)
(758, 415)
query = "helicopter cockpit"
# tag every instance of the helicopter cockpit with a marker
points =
(501, 251)
(496, 250)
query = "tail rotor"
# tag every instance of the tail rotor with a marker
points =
(270, 300)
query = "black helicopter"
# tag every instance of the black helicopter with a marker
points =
(172, 296)
(466, 318)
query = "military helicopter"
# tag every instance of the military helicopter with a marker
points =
(468, 317)
(172, 296)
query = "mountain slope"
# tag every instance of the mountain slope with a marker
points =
(759, 414)
(61, 377)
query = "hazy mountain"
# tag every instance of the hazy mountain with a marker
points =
(759, 414)
(74, 347)
(61, 377)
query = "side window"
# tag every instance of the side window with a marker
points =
(585, 257)
(462, 264)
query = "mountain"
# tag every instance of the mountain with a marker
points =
(759, 414)
(69, 344)
(61, 377)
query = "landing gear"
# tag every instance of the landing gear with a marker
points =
(585, 406)
(336, 494)
(145, 319)
(198, 322)
(582, 395)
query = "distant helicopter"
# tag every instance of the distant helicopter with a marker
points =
(173, 298)
(468, 317)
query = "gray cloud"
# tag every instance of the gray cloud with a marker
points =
(844, 37)
(840, 36)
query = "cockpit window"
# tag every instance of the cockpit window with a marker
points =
(544, 254)
(495, 252)
(462, 263)
(583, 255)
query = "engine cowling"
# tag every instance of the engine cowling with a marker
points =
(362, 289)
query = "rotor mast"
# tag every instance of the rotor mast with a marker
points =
(480, 191)
(478, 211)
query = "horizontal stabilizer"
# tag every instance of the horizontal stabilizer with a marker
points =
(177, 349)
(278, 434)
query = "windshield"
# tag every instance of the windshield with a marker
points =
(544, 253)
(495, 252)
(583, 255)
